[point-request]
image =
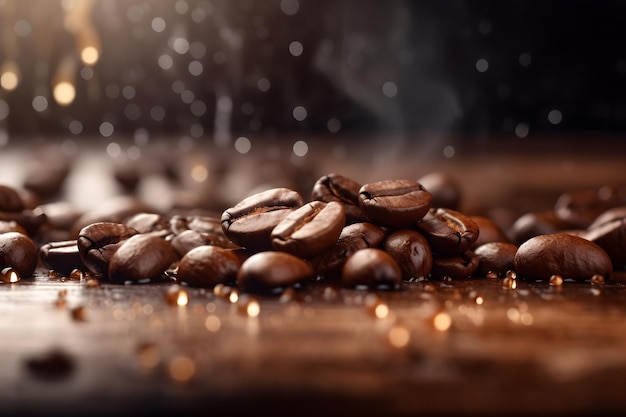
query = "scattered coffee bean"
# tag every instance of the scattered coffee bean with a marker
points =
(448, 232)
(444, 188)
(336, 187)
(62, 257)
(98, 242)
(272, 270)
(496, 257)
(147, 222)
(610, 236)
(373, 268)
(206, 266)
(535, 224)
(580, 208)
(488, 231)
(411, 251)
(459, 266)
(141, 257)
(19, 252)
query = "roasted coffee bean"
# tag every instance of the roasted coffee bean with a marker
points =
(272, 270)
(19, 252)
(448, 232)
(98, 242)
(31, 221)
(394, 203)
(59, 215)
(62, 257)
(336, 187)
(10, 199)
(310, 229)
(561, 254)
(460, 266)
(250, 222)
(372, 268)
(615, 213)
(610, 236)
(411, 251)
(207, 266)
(354, 237)
(444, 188)
(488, 231)
(496, 257)
(580, 208)
(147, 222)
(141, 257)
(11, 226)
(46, 180)
(189, 239)
(114, 210)
(534, 224)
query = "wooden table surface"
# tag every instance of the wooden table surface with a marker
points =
(466, 347)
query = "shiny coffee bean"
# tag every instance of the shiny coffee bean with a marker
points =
(488, 231)
(561, 254)
(372, 268)
(411, 251)
(444, 188)
(98, 242)
(207, 266)
(394, 203)
(353, 238)
(250, 222)
(46, 180)
(10, 199)
(615, 213)
(534, 224)
(448, 232)
(459, 266)
(496, 257)
(141, 257)
(580, 208)
(272, 270)
(336, 187)
(190, 239)
(62, 257)
(310, 229)
(19, 252)
(147, 222)
(610, 236)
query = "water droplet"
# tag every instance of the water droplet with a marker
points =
(556, 280)
(492, 275)
(447, 279)
(10, 275)
(176, 296)
(509, 283)
(92, 283)
(76, 274)
(597, 279)
(233, 297)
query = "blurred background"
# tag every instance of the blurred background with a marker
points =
(223, 68)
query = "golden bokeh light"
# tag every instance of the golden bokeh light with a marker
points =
(64, 93)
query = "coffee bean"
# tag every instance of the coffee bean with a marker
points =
(615, 213)
(98, 242)
(336, 187)
(561, 254)
(207, 266)
(580, 208)
(19, 252)
(147, 222)
(411, 251)
(459, 266)
(310, 229)
(250, 222)
(610, 236)
(272, 270)
(488, 231)
(372, 268)
(190, 239)
(496, 257)
(30, 220)
(448, 232)
(10, 199)
(534, 224)
(444, 188)
(353, 238)
(11, 226)
(62, 257)
(141, 257)
(394, 203)
(114, 210)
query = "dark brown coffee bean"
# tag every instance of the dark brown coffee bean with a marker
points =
(147, 222)
(561, 254)
(46, 180)
(11, 226)
(394, 203)
(615, 213)
(189, 239)
(98, 242)
(114, 210)
(19, 252)
(610, 236)
(534, 224)
(250, 222)
(207, 266)
(336, 187)
(62, 257)
(580, 208)
(448, 232)
(444, 188)
(353, 238)
(10, 199)
(272, 270)
(30, 220)
(411, 251)
(141, 257)
(496, 257)
(372, 268)
(488, 231)
(459, 266)
(60, 215)
(310, 229)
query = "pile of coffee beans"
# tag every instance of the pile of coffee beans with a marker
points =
(376, 235)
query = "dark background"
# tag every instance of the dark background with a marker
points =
(565, 57)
